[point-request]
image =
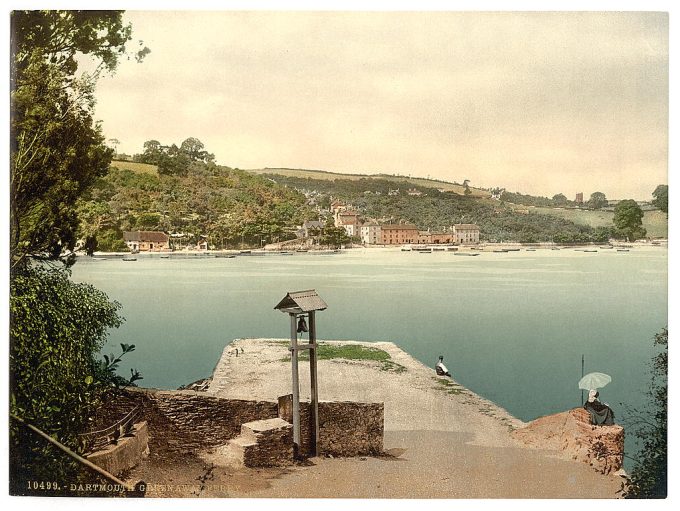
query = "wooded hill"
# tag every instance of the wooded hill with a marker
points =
(437, 210)
(235, 208)
(229, 206)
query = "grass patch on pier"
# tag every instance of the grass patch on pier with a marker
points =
(448, 386)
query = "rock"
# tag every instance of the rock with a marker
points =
(572, 434)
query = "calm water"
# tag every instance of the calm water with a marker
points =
(512, 327)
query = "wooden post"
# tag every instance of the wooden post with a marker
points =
(314, 383)
(296, 382)
(583, 364)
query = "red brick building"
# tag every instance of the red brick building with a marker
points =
(398, 234)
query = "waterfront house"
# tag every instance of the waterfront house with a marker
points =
(435, 238)
(370, 233)
(146, 241)
(311, 228)
(398, 234)
(466, 234)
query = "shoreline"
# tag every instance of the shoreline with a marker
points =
(481, 247)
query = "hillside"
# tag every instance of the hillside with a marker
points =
(656, 222)
(229, 206)
(234, 208)
(323, 175)
(430, 208)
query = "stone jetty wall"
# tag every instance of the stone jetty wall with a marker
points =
(346, 428)
(185, 421)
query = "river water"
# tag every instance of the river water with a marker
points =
(511, 326)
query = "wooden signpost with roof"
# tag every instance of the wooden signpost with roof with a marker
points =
(300, 305)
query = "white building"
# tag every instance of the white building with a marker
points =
(466, 234)
(370, 233)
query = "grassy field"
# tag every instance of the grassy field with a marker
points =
(140, 168)
(331, 176)
(655, 222)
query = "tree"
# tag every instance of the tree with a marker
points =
(598, 200)
(560, 199)
(152, 152)
(334, 236)
(649, 477)
(58, 37)
(195, 150)
(660, 195)
(57, 152)
(628, 219)
(56, 149)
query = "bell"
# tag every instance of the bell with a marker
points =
(302, 325)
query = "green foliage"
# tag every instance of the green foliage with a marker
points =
(531, 200)
(560, 200)
(649, 477)
(229, 206)
(56, 149)
(628, 220)
(660, 195)
(56, 380)
(56, 153)
(172, 160)
(334, 236)
(58, 37)
(438, 210)
(597, 200)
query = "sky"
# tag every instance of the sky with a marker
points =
(534, 102)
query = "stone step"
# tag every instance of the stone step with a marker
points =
(236, 450)
(257, 428)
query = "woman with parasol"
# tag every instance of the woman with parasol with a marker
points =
(600, 413)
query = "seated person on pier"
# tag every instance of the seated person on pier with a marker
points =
(441, 368)
(600, 413)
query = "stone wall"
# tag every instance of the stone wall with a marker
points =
(185, 421)
(345, 428)
(572, 434)
(182, 422)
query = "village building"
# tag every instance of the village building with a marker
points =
(348, 220)
(435, 238)
(466, 234)
(351, 226)
(370, 233)
(146, 241)
(398, 234)
(415, 192)
(310, 228)
(202, 244)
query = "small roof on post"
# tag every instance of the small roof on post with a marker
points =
(301, 301)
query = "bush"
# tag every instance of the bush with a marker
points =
(57, 329)
(649, 478)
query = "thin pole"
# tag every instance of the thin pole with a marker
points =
(583, 359)
(314, 383)
(73, 455)
(296, 382)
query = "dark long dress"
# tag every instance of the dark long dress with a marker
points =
(600, 413)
